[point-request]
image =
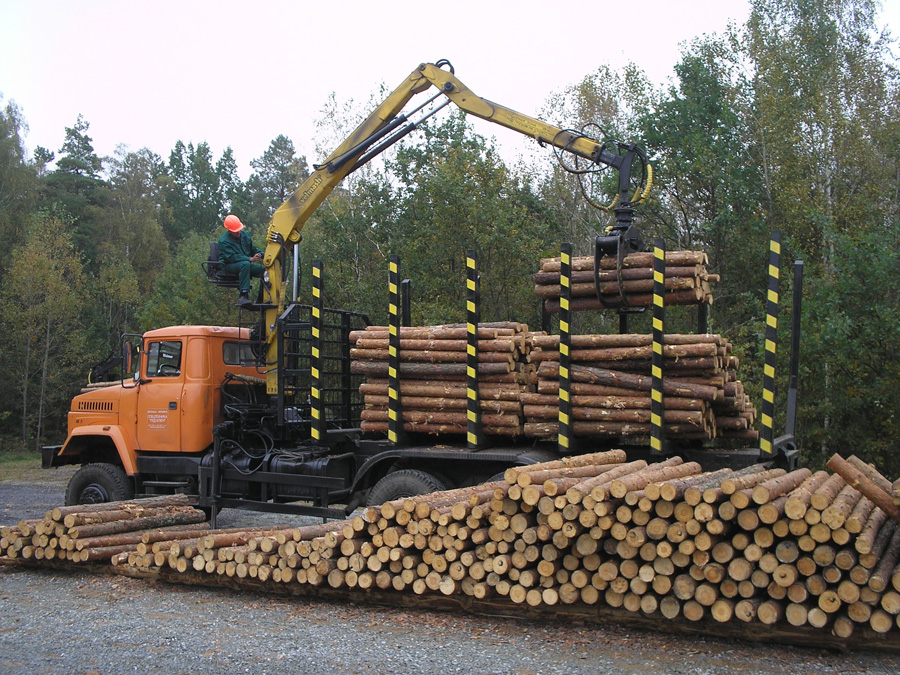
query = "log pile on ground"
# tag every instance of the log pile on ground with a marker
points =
(611, 387)
(97, 532)
(433, 377)
(687, 281)
(797, 551)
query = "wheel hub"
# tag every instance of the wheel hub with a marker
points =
(94, 494)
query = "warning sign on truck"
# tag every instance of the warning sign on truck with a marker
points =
(158, 419)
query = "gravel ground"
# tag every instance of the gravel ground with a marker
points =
(62, 622)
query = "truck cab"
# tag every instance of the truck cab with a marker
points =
(169, 407)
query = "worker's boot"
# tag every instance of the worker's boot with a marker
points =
(244, 299)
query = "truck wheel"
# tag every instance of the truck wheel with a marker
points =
(97, 483)
(404, 483)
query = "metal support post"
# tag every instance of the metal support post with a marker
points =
(317, 424)
(395, 409)
(657, 404)
(474, 432)
(405, 306)
(564, 436)
(790, 426)
(768, 403)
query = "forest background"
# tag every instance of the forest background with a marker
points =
(790, 122)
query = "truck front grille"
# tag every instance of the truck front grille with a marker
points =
(95, 406)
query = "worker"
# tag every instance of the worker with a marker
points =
(239, 256)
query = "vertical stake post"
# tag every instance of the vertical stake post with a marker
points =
(474, 432)
(395, 409)
(564, 435)
(768, 403)
(317, 427)
(657, 404)
(790, 423)
(405, 304)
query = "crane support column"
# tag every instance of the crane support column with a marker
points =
(768, 404)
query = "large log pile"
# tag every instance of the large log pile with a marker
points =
(611, 387)
(519, 383)
(785, 552)
(687, 281)
(97, 532)
(433, 377)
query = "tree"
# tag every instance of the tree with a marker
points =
(708, 186)
(134, 249)
(77, 187)
(825, 116)
(181, 294)
(17, 177)
(457, 194)
(279, 172)
(858, 338)
(823, 88)
(605, 106)
(195, 195)
(43, 343)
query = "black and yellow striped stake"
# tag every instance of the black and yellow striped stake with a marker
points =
(657, 405)
(317, 427)
(474, 432)
(395, 410)
(564, 435)
(768, 403)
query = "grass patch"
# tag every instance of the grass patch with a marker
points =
(19, 456)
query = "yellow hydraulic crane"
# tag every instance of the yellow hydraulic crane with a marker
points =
(387, 124)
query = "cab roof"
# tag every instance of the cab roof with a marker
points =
(225, 332)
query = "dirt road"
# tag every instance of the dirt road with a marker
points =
(52, 622)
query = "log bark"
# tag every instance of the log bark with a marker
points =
(615, 378)
(864, 484)
(673, 258)
(799, 499)
(117, 527)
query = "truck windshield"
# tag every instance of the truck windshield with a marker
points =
(164, 359)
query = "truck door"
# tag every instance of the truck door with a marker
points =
(160, 397)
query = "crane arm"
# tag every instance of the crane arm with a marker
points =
(385, 126)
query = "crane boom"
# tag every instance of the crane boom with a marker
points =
(383, 127)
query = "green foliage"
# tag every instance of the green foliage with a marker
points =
(43, 342)
(181, 294)
(200, 190)
(76, 187)
(456, 195)
(17, 178)
(851, 363)
(791, 122)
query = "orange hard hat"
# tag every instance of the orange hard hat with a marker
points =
(233, 223)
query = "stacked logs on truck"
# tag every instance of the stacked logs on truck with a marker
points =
(687, 281)
(611, 387)
(97, 532)
(433, 377)
(805, 553)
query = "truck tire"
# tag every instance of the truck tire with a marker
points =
(404, 483)
(97, 483)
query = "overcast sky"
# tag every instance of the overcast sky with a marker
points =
(241, 73)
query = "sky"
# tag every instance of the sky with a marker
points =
(239, 74)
